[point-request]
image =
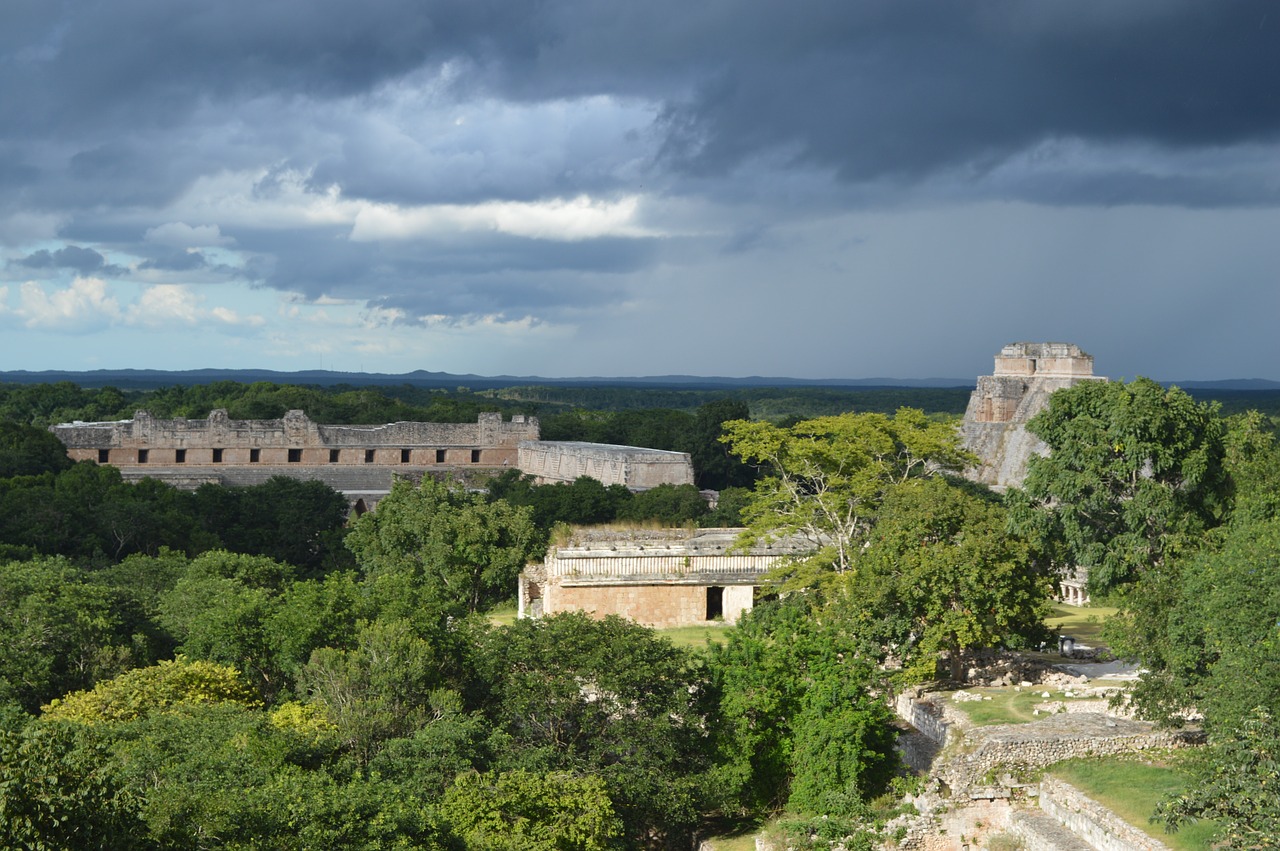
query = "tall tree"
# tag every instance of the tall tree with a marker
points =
(825, 478)
(941, 576)
(458, 552)
(606, 698)
(1134, 475)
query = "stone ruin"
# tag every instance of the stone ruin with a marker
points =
(994, 426)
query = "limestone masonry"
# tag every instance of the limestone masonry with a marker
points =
(660, 578)
(994, 426)
(357, 460)
(294, 439)
(637, 468)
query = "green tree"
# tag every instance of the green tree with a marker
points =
(1134, 476)
(670, 505)
(521, 811)
(159, 688)
(383, 688)
(825, 479)
(57, 791)
(290, 520)
(459, 552)
(713, 464)
(62, 631)
(28, 451)
(800, 712)
(940, 577)
(608, 698)
(1235, 781)
(843, 742)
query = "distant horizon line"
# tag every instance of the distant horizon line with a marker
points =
(421, 377)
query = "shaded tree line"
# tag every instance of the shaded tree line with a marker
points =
(232, 701)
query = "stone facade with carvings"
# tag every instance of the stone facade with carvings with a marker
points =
(295, 439)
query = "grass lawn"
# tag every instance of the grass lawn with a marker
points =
(1083, 623)
(503, 614)
(1130, 787)
(740, 839)
(697, 637)
(1007, 705)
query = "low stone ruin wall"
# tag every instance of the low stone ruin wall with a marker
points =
(1088, 819)
(1015, 748)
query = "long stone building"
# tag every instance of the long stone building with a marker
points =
(357, 460)
(660, 578)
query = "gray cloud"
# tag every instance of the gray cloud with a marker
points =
(176, 261)
(85, 261)
(747, 128)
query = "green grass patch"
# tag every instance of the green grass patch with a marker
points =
(1083, 623)
(503, 614)
(1131, 787)
(1008, 705)
(733, 838)
(697, 637)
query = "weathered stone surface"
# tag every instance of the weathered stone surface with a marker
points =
(633, 466)
(1025, 376)
(354, 459)
(1089, 820)
(661, 578)
(294, 439)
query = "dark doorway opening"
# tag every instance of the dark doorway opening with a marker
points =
(715, 603)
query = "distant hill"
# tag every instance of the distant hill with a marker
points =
(1246, 384)
(141, 379)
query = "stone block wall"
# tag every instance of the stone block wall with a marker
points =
(994, 425)
(295, 439)
(658, 577)
(1086, 818)
(635, 467)
(986, 751)
(659, 606)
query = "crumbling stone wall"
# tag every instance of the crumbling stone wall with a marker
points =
(1021, 748)
(1086, 818)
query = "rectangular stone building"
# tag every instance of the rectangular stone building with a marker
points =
(660, 578)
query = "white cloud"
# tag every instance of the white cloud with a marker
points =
(165, 304)
(84, 304)
(87, 304)
(183, 235)
(559, 219)
(231, 317)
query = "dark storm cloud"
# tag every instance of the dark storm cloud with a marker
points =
(917, 86)
(762, 117)
(141, 96)
(486, 275)
(898, 85)
(85, 261)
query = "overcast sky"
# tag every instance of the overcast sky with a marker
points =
(850, 188)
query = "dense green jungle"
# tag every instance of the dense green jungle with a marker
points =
(251, 668)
